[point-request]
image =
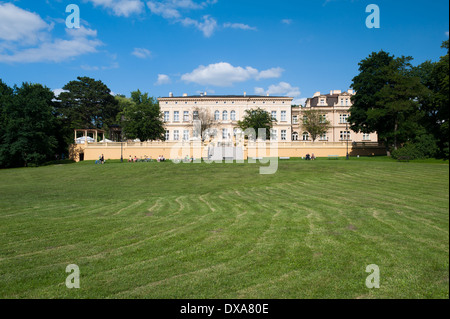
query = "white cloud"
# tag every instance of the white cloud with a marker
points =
(171, 10)
(17, 24)
(123, 8)
(163, 79)
(446, 33)
(239, 26)
(81, 41)
(287, 21)
(165, 10)
(141, 53)
(27, 38)
(270, 73)
(282, 89)
(208, 26)
(224, 74)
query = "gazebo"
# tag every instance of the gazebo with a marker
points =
(86, 132)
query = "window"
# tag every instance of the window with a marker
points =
(305, 136)
(346, 102)
(323, 118)
(196, 115)
(225, 116)
(295, 136)
(225, 134)
(343, 118)
(342, 102)
(366, 137)
(176, 135)
(345, 135)
(274, 115)
(186, 116)
(283, 135)
(283, 116)
(273, 134)
(167, 135)
(176, 116)
(186, 135)
(217, 116)
(166, 116)
(233, 115)
(295, 119)
(322, 101)
(324, 137)
(305, 119)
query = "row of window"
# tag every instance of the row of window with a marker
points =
(344, 102)
(225, 134)
(217, 116)
(343, 118)
(344, 135)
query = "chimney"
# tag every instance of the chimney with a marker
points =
(245, 93)
(268, 94)
(351, 91)
(185, 95)
(206, 93)
(170, 94)
(316, 94)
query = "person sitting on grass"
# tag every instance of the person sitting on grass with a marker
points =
(313, 157)
(130, 159)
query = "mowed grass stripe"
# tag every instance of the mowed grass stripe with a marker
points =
(306, 232)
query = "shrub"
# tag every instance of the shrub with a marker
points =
(423, 146)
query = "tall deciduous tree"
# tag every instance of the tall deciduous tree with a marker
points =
(29, 135)
(142, 118)
(88, 103)
(386, 99)
(315, 123)
(257, 119)
(206, 119)
(435, 101)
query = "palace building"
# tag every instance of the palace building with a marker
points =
(335, 107)
(226, 110)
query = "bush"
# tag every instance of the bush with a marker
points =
(424, 146)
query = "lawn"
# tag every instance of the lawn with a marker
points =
(161, 230)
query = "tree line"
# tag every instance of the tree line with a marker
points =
(36, 126)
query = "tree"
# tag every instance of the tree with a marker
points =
(29, 135)
(87, 103)
(315, 123)
(6, 96)
(257, 119)
(435, 101)
(386, 99)
(206, 119)
(142, 118)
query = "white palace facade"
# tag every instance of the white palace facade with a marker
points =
(226, 110)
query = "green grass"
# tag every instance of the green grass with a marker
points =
(160, 230)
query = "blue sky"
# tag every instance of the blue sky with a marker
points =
(282, 47)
